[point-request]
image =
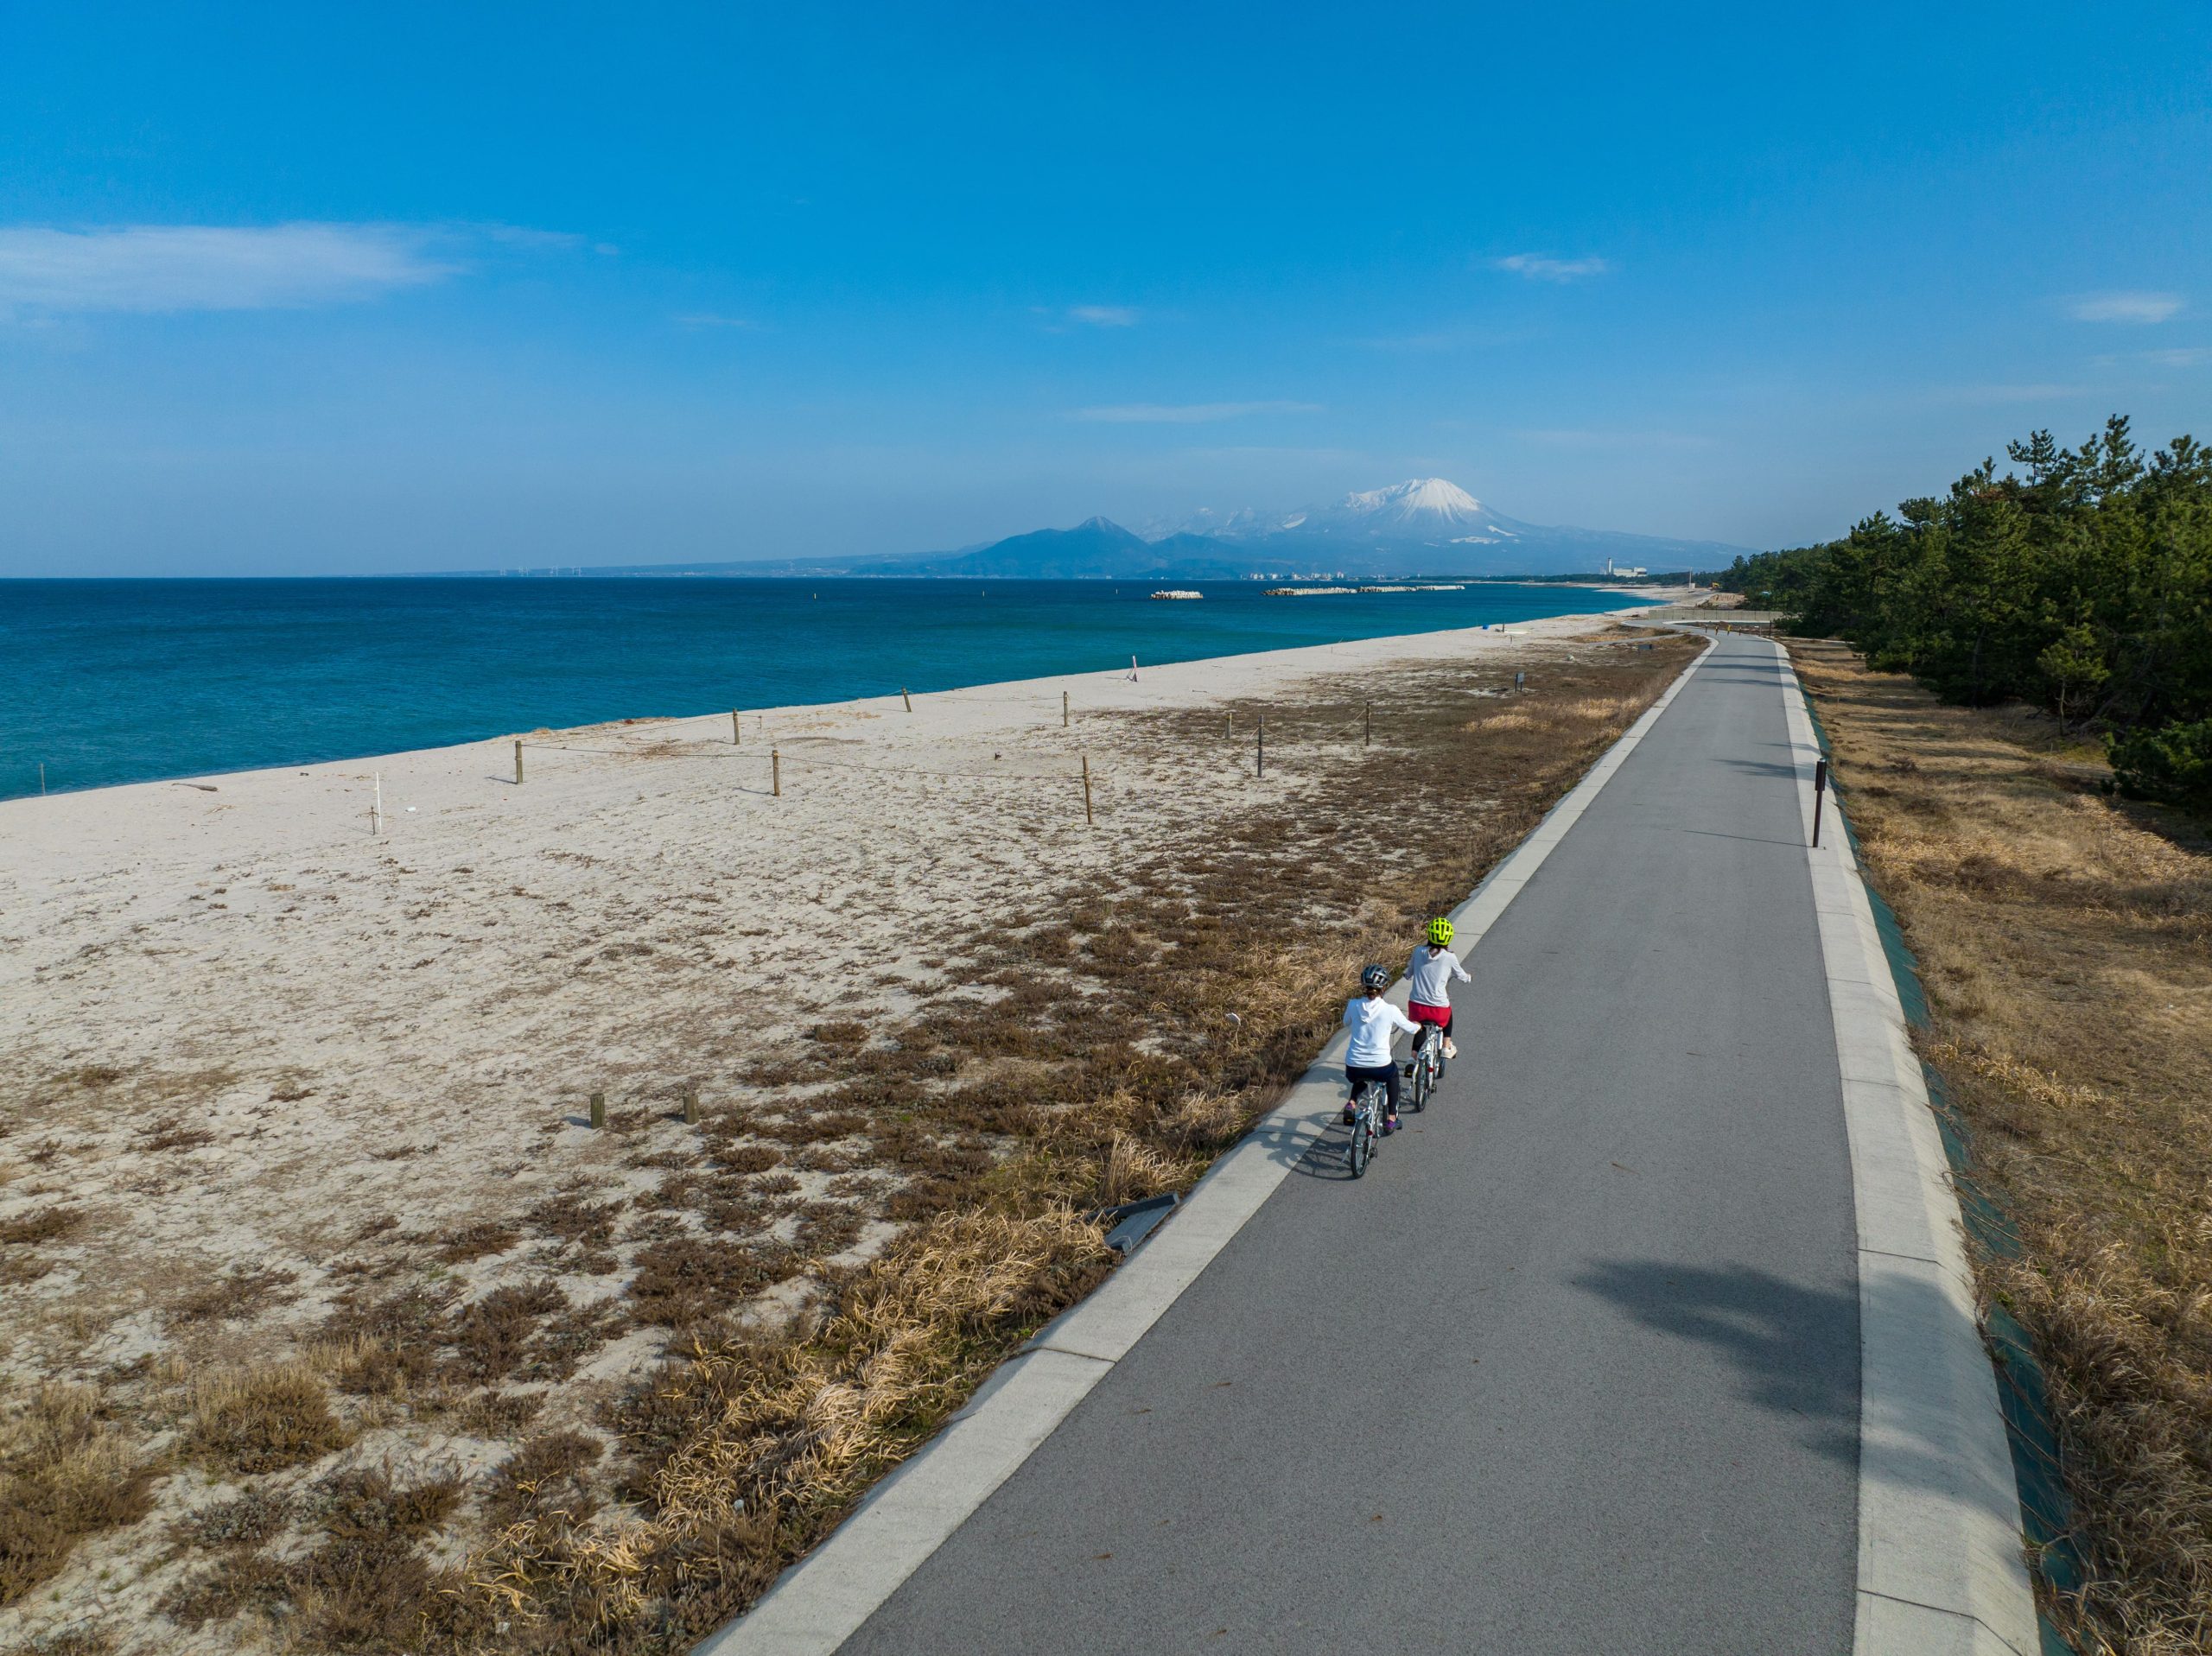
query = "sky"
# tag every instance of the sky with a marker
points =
(316, 290)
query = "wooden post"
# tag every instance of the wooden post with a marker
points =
(1368, 741)
(1262, 768)
(776, 772)
(736, 731)
(1063, 718)
(1088, 818)
(691, 1107)
(376, 811)
(1820, 788)
(904, 697)
(517, 763)
(599, 1109)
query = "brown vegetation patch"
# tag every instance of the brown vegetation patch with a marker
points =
(232, 1296)
(47, 1225)
(259, 1515)
(170, 1133)
(365, 1587)
(491, 1335)
(65, 1473)
(571, 1219)
(544, 1476)
(2065, 941)
(476, 1241)
(264, 1421)
(687, 1282)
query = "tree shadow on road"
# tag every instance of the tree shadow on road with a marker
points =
(1795, 1349)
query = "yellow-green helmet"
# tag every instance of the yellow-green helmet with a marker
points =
(1439, 931)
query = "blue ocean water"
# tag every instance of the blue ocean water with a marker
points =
(133, 680)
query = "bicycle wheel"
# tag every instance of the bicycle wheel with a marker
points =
(1356, 1147)
(1420, 1100)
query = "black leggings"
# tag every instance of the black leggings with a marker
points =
(1385, 1073)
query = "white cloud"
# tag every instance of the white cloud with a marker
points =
(1538, 268)
(1104, 315)
(537, 240)
(2130, 307)
(151, 268)
(1186, 414)
(2192, 356)
(1458, 337)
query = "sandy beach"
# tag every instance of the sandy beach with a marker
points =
(280, 1076)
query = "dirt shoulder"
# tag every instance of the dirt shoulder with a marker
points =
(2064, 939)
(332, 1324)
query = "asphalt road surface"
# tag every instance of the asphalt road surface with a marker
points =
(1573, 1368)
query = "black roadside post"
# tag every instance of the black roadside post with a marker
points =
(1820, 788)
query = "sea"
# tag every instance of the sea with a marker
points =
(107, 682)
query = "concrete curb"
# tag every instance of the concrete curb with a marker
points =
(822, 1599)
(1940, 1567)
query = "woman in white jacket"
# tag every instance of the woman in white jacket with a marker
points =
(1373, 1022)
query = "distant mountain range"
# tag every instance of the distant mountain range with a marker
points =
(1424, 526)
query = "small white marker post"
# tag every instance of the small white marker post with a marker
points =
(376, 811)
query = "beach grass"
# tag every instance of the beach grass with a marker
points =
(2064, 938)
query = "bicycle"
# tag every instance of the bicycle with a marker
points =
(1426, 1069)
(1369, 1099)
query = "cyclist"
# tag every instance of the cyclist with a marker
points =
(1431, 972)
(1373, 1021)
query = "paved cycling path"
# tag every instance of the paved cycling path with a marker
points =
(1575, 1367)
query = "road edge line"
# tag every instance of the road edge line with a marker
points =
(825, 1598)
(1941, 1564)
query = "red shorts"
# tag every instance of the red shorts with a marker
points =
(1421, 1014)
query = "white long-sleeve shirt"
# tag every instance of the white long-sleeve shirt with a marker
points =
(1432, 976)
(1372, 1023)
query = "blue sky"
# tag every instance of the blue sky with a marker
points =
(307, 289)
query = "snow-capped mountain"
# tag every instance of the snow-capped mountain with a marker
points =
(1433, 526)
(1422, 504)
(1429, 511)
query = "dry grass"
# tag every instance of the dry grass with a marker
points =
(2065, 941)
(366, 1586)
(751, 1451)
(264, 1421)
(65, 1474)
